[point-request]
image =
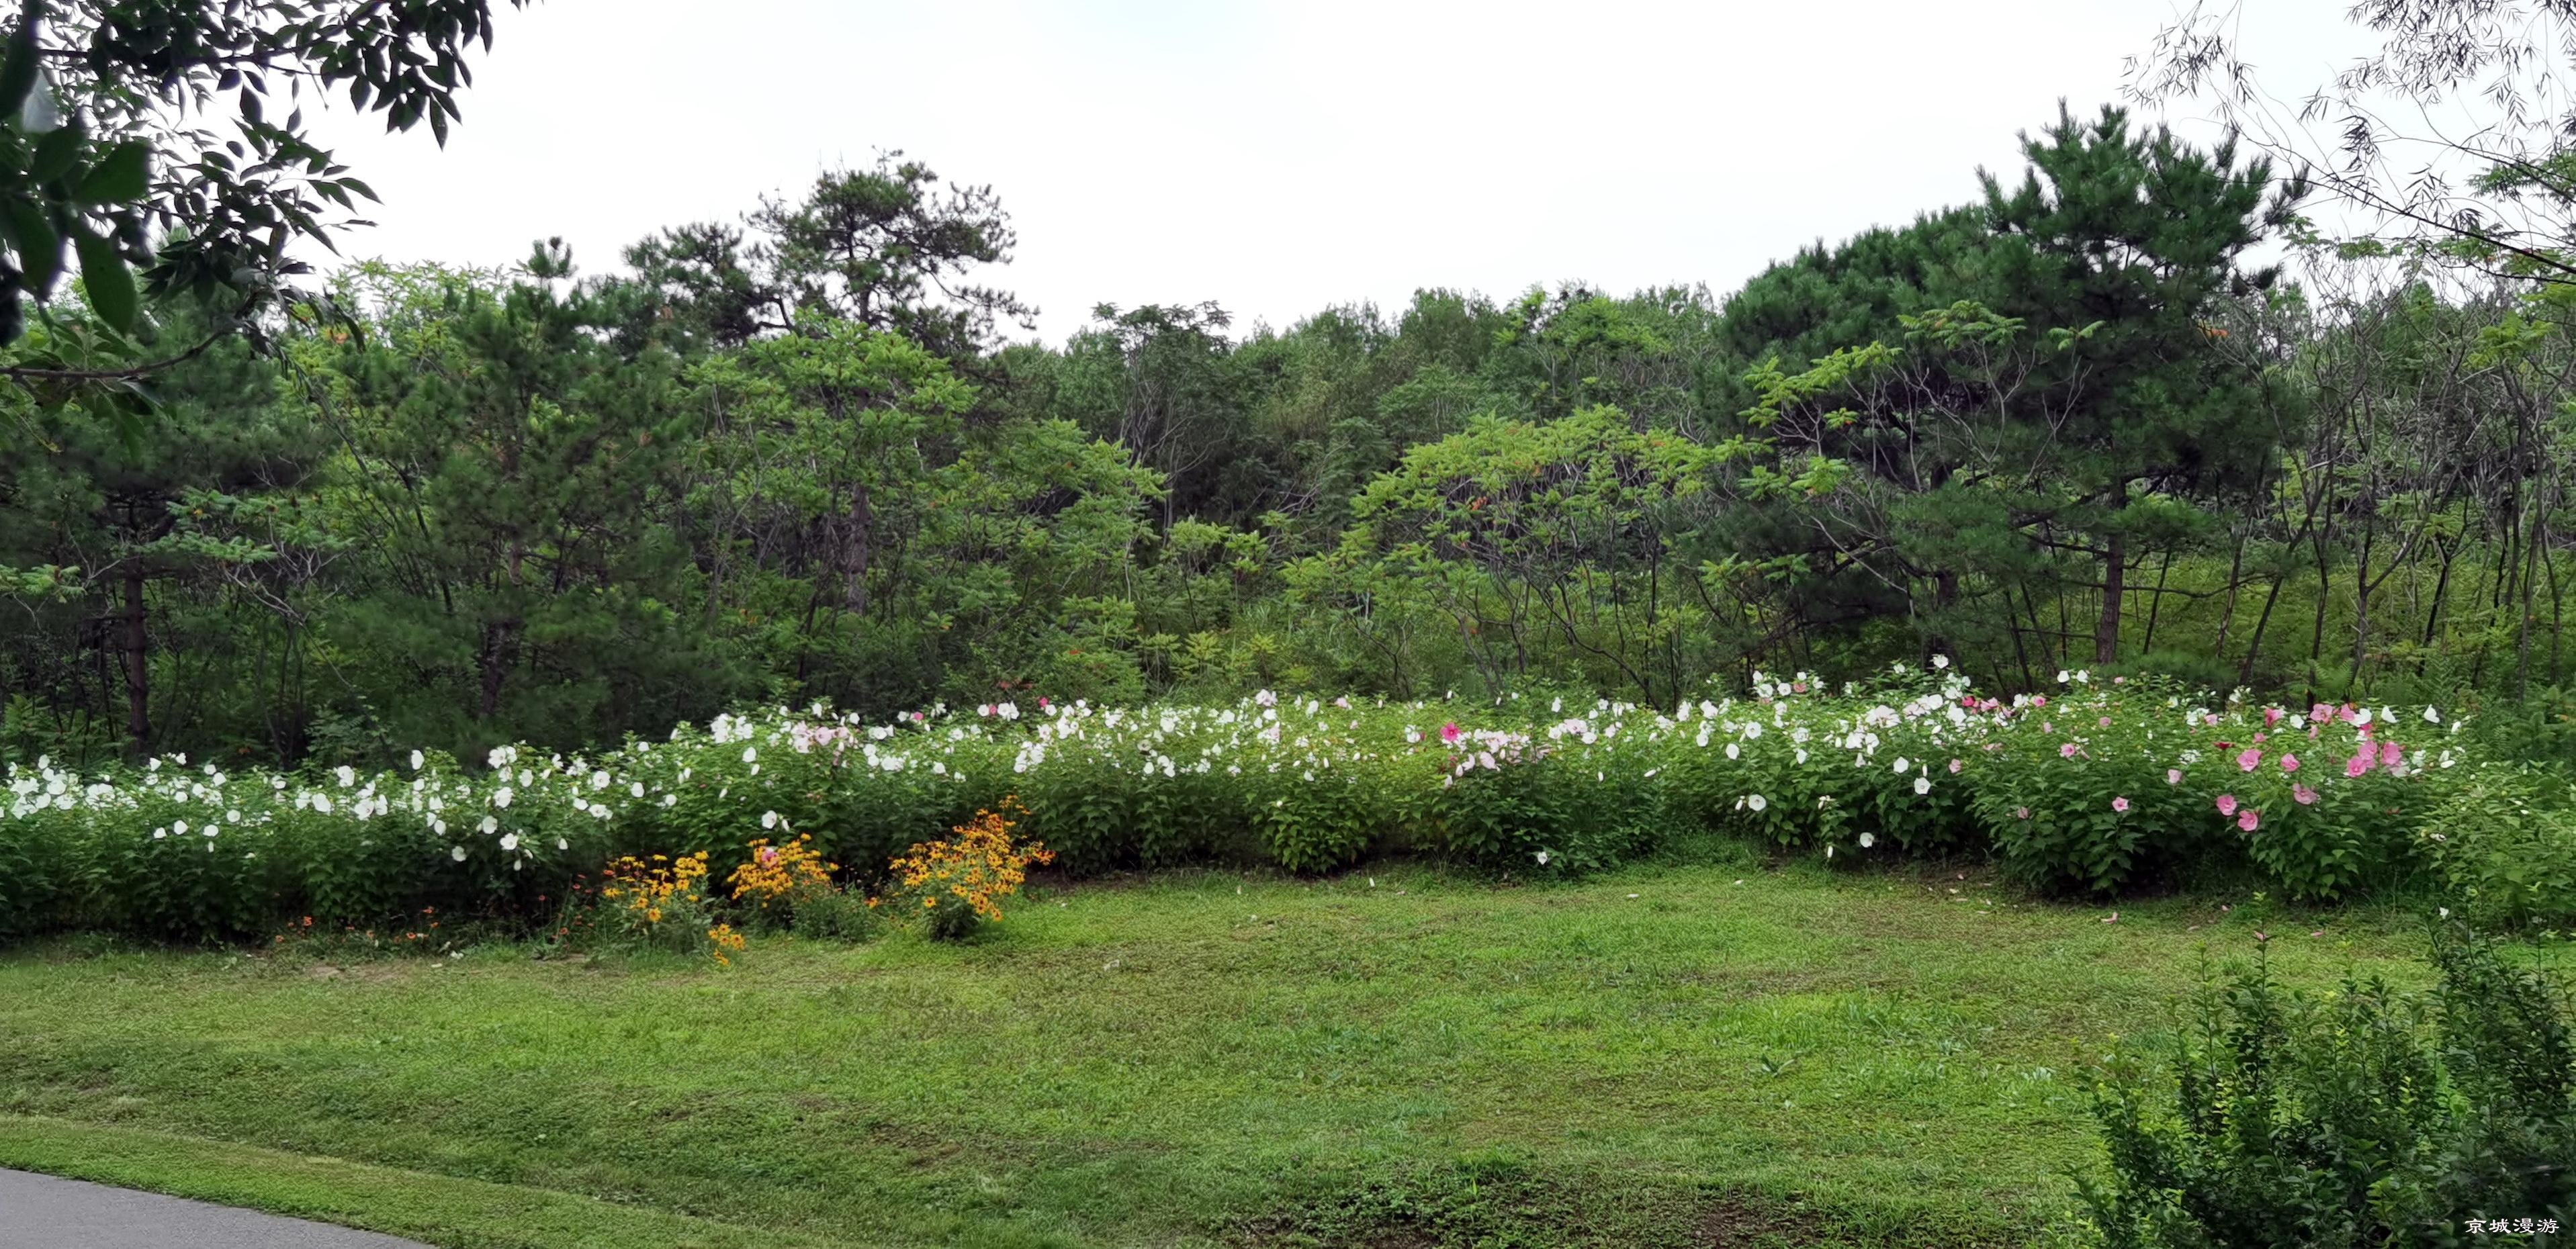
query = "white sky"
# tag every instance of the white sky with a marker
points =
(1277, 157)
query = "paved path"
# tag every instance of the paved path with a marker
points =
(43, 1211)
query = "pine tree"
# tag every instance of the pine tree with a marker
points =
(2123, 242)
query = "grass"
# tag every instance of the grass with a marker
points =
(1709, 1054)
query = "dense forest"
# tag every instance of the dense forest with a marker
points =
(2129, 411)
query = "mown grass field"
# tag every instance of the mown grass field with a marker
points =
(1706, 1054)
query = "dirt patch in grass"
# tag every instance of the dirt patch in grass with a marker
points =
(1733, 1222)
(1495, 1203)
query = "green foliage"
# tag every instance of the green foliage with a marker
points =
(2102, 788)
(1509, 525)
(2365, 1116)
(108, 160)
(836, 915)
(2505, 844)
(879, 248)
(790, 461)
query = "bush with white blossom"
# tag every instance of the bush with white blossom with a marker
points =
(2085, 789)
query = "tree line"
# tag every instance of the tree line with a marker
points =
(801, 456)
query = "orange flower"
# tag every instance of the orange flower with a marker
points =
(979, 865)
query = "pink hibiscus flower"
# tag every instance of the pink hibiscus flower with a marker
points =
(2227, 804)
(2249, 820)
(2307, 797)
(2249, 759)
(2173, 776)
(1449, 733)
(2119, 804)
(2289, 763)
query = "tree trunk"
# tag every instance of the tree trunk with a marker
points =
(854, 553)
(1945, 595)
(2254, 646)
(2530, 580)
(2156, 604)
(2106, 633)
(138, 671)
(2361, 589)
(2448, 553)
(498, 646)
(2227, 614)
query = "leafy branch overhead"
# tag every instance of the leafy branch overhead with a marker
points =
(141, 148)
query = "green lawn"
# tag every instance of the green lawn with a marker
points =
(1710, 1054)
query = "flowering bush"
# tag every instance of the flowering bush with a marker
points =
(960, 881)
(790, 886)
(2118, 781)
(2094, 786)
(662, 904)
(780, 877)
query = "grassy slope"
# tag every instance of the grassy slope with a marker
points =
(1795, 1059)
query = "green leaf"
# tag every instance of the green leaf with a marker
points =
(108, 283)
(40, 246)
(120, 177)
(56, 153)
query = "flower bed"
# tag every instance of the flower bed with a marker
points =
(2090, 789)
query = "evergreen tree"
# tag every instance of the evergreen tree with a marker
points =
(2127, 242)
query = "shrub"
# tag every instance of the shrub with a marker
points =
(2098, 794)
(2092, 788)
(2321, 799)
(1317, 825)
(2364, 1117)
(31, 889)
(835, 915)
(777, 880)
(961, 882)
(662, 904)
(790, 887)
(1506, 798)
(2505, 843)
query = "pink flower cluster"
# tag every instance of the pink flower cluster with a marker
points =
(2386, 756)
